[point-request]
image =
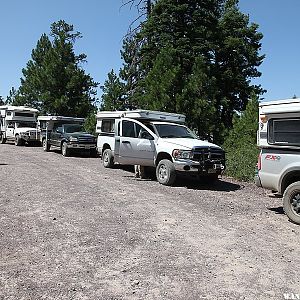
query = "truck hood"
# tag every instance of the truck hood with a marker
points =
(80, 134)
(187, 144)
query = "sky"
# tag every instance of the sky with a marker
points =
(104, 23)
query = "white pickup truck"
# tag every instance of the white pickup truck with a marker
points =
(159, 140)
(18, 124)
(278, 167)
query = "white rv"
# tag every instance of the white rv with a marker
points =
(278, 138)
(156, 139)
(18, 124)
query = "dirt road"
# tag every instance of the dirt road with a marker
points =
(70, 229)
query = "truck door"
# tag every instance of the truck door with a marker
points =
(55, 136)
(136, 144)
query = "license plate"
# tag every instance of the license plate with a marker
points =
(211, 171)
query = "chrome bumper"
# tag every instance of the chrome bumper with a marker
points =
(191, 166)
(82, 146)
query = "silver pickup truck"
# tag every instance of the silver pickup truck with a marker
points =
(278, 167)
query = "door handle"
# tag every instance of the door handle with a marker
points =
(125, 142)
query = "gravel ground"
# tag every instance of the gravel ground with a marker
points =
(70, 229)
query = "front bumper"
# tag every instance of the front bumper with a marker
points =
(191, 166)
(82, 146)
(30, 138)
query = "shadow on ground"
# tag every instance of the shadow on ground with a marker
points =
(77, 154)
(196, 184)
(187, 181)
(278, 210)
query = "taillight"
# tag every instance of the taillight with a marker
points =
(259, 162)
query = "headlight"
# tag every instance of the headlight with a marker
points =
(73, 139)
(182, 154)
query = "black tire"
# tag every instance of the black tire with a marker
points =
(291, 202)
(65, 151)
(2, 139)
(18, 141)
(107, 158)
(165, 172)
(46, 145)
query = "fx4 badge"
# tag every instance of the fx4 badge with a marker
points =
(272, 157)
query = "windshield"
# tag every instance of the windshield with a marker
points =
(25, 124)
(73, 128)
(174, 131)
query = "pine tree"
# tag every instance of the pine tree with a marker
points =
(113, 92)
(53, 80)
(236, 60)
(194, 57)
(12, 97)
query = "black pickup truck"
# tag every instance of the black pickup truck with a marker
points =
(68, 138)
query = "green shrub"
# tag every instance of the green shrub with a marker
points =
(240, 144)
(90, 123)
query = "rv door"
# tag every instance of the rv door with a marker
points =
(10, 129)
(135, 145)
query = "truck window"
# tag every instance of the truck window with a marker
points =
(174, 131)
(59, 129)
(108, 125)
(134, 130)
(128, 129)
(284, 131)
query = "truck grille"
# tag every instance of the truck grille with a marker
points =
(208, 156)
(86, 140)
(34, 134)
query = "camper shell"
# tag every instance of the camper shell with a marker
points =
(278, 138)
(18, 124)
(65, 133)
(159, 140)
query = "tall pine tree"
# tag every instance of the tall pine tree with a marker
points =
(195, 57)
(54, 80)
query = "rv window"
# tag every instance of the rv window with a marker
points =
(284, 131)
(24, 114)
(108, 125)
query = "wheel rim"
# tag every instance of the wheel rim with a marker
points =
(162, 172)
(295, 203)
(64, 148)
(106, 158)
(44, 144)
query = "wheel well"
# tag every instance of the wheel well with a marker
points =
(289, 179)
(105, 146)
(162, 155)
